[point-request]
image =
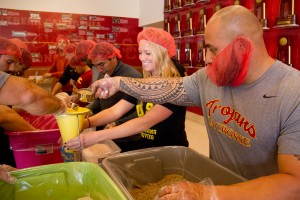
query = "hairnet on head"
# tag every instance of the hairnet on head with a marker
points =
(61, 37)
(159, 37)
(104, 50)
(70, 48)
(19, 43)
(83, 48)
(7, 47)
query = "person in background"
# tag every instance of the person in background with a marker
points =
(85, 79)
(69, 74)
(9, 56)
(26, 59)
(106, 59)
(158, 125)
(10, 120)
(59, 64)
(251, 108)
(83, 49)
(23, 93)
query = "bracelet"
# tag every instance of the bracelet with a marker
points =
(89, 122)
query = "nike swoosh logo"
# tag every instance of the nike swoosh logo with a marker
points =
(265, 96)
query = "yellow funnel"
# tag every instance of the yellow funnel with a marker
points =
(70, 124)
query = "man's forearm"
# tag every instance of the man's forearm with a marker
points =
(12, 121)
(157, 90)
(274, 187)
(28, 96)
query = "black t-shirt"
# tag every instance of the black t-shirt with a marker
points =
(170, 132)
(69, 73)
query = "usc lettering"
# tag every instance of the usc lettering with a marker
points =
(139, 108)
(221, 128)
(232, 116)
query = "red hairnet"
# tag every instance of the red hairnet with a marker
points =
(70, 48)
(104, 50)
(77, 61)
(83, 48)
(73, 61)
(159, 37)
(61, 37)
(7, 47)
(19, 43)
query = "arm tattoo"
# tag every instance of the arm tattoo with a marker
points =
(156, 90)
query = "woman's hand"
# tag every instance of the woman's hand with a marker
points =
(85, 140)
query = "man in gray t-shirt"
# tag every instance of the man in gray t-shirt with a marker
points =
(251, 107)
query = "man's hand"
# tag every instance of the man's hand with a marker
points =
(5, 176)
(65, 102)
(106, 87)
(188, 191)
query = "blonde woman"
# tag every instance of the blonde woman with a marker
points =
(157, 125)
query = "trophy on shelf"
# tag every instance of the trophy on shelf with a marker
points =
(287, 17)
(200, 53)
(188, 54)
(202, 1)
(201, 22)
(189, 24)
(177, 30)
(189, 3)
(167, 7)
(284, 50)
(177, 4)
(167, 25)
(217, 7)
(177, 56)
(260, 12)
(237, 2)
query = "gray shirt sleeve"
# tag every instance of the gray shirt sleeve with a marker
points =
(191, 85)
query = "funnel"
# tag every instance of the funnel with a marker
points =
(70, 124)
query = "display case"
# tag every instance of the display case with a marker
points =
(279, 19)
(186, 21)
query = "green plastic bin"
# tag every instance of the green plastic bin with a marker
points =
(64, 181)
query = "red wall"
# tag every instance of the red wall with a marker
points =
(40, 30)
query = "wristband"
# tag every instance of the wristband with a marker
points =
(89, 122)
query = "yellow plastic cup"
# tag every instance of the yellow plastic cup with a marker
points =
(70, 124)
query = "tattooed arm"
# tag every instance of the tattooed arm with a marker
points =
(154, 89)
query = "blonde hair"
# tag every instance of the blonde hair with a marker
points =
(163, 62)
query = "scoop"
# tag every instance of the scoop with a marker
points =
(74, 106)
(86, 95)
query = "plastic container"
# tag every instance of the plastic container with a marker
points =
(100, 151)
(67, 181)
(34, 148)
(71, 123)
(150, 165)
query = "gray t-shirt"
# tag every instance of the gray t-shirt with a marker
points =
(249, 125)
(3, 78)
